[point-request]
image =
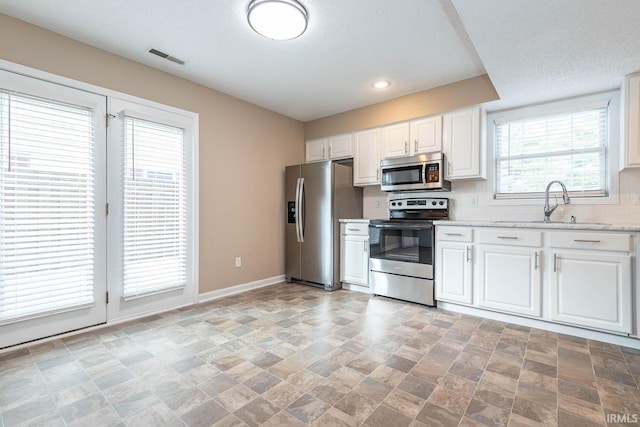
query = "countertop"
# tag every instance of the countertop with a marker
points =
(543, 225)
(363, 220)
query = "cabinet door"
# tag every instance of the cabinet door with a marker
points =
(426, 135)
(341, 146)
(509, 279)
(462, 144)
(354, 260)
(366, 157)
(453, 272)
(316, 150)
(591, 289)
(631, 149)
(395, 140)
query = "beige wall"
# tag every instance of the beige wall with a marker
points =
(243, 150)
(476, 90)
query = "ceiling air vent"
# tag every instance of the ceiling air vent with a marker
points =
(167, 57)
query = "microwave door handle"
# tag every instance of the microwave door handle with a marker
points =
(424, 173)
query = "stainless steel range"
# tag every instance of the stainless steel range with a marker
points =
(401, 249)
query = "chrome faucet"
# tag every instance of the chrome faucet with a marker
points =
(548, 210)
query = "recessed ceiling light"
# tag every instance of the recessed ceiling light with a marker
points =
(382, 84)
(277, 19)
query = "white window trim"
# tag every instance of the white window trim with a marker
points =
(557, 107)
(112, 317)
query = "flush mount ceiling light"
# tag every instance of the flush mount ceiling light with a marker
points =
(381, 84)
(277, 19)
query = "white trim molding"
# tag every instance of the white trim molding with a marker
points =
(244, 287)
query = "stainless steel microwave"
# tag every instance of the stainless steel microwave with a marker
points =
(419, 172)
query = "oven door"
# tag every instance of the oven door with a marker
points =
(401, 260)
(405, 246)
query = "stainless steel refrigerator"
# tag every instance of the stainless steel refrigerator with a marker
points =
(317, 196)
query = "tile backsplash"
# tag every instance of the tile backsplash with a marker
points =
(473, 200)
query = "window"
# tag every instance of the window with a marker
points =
(47, 203)
(154, 208)
(566, 141)
(98, 205)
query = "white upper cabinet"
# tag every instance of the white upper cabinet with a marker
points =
(341, 146)
(395, 140)
(463, 143)
(316, 150)
(408, 138)
(630, 151)
(426, 135)
(334, 147)
(366, 157)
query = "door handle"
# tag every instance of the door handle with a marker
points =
(298, 213)
(303, 213)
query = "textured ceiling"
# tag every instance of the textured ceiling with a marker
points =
(532, 50)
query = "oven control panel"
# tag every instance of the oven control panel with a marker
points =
(417, 203)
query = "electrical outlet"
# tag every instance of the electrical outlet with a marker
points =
(378, 204)
(238, 262)
(636, 198)
(473, 201)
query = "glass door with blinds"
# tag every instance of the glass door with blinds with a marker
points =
(151, 265)
(52, 209)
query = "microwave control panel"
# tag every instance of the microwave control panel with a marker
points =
(433, 172)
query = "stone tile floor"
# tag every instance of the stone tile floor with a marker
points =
(292, 355)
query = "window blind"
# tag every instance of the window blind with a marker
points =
(154, 208)
(570, 147)
(46, 206)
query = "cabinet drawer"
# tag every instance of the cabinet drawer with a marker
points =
(454, 234)
(510, 237)
(598, 241)
(354, 228)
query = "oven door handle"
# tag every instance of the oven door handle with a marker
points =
(401, 227)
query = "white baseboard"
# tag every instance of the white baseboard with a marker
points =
(213, 295)
(621, 340)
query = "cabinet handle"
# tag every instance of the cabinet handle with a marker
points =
(366, 246)
(352, 229)
(468, 253)
(416, 145)
(406, 148)
(453, 234)
(329, 151)
(535, 263)
(555, 262)
(508, 237)
(377, 174)
(323, 152)
(586, 241)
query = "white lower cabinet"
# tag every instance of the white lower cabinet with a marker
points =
(354, 253)
(454, 272)
(573, 277)
(509, 280)
(509, 277)
(591, 287)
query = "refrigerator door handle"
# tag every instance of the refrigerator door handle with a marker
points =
(297, 207)
(301, 217)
